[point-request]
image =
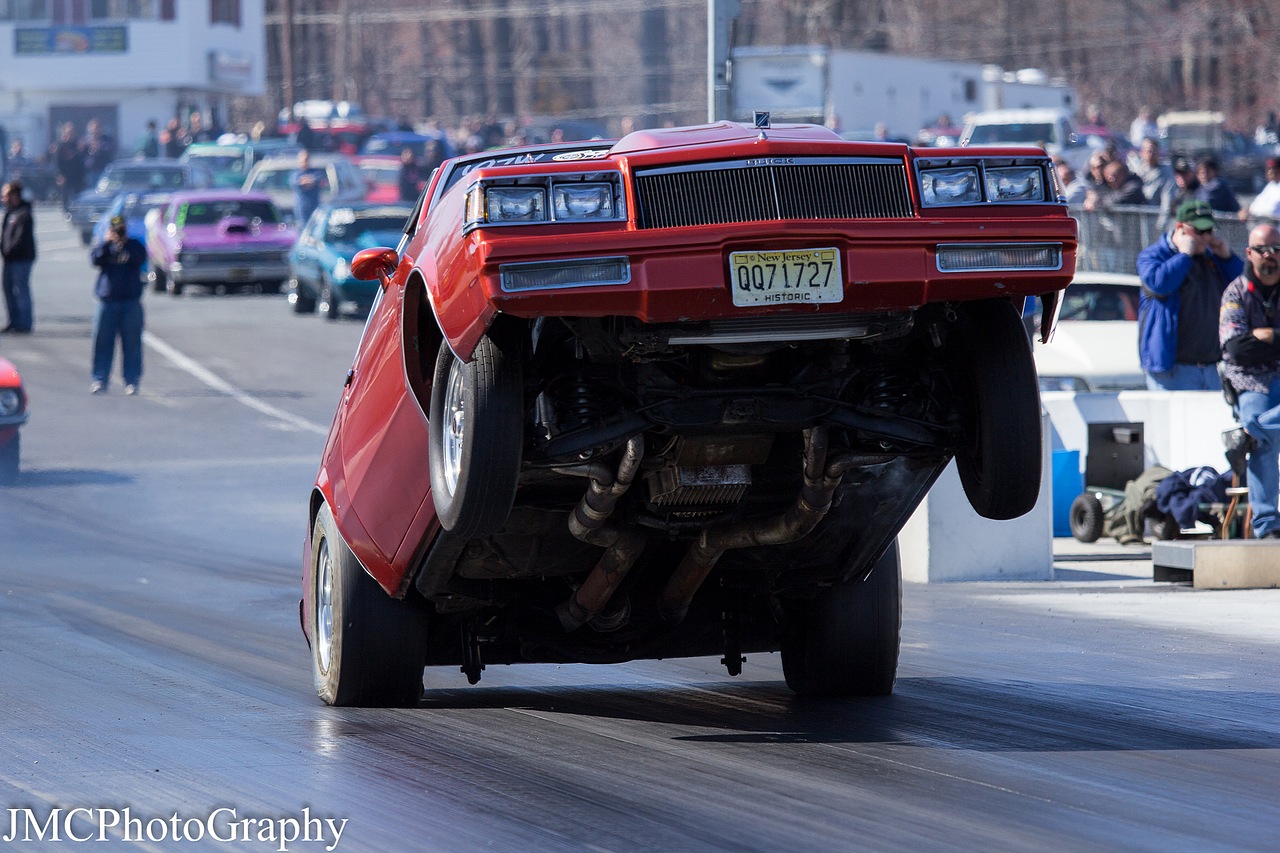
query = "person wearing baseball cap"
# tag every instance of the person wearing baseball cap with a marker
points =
(1183, 276)
(119, 259)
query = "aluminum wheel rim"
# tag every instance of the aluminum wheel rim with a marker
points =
(455, 424)
(324, 606)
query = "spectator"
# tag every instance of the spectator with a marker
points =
(18, 250)
(1186, 185)
(1266, 204)
(174, 145)
(1251, 355)
(68, 160)
(1144, 126)
(1074, 187)
(99, 150)
(1158, 183)
(1120, 187)
(1213, 188)
(119, 258)
(1183, 276)
(150, 146)
(1097, 163)
(411, 175)
(196, 131)
(307, 183)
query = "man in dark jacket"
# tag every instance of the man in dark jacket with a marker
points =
(1183, 275)
(119, 259)
(1247, 329)
(18, 249)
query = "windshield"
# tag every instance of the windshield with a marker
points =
(343, 229)
(1038, 133)
(132, 177)
(212, 212)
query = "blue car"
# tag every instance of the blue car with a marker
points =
(320, 261)
(134, 207)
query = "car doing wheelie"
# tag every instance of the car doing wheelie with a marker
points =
(675, 395)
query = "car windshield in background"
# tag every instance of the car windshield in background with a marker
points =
(345, 227)
(1099, 302)
(118, 179)
(210, 213)
(139, 205)
(1032, 134)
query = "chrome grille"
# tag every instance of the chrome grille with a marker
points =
(743, 191)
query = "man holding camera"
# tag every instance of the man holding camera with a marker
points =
(119, 259)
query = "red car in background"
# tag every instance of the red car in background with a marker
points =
(675, 395)
(382, 175)
(13, 414)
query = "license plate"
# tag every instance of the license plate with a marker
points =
(239, 274)
(806, 276)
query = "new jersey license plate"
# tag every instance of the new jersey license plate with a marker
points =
(787, 277)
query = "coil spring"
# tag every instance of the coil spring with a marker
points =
(889, 391)
(580, 403)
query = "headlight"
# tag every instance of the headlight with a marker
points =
(1015, 183)
(582, 201)
(516, 204)
(950, 186)
(10, 401)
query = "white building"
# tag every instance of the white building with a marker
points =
(124, 62)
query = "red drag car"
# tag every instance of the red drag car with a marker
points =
(13, 414)
(675, 395)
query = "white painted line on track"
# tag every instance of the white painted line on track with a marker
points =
(190, 365)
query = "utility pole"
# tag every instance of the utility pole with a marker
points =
(720, 17)
(286, 55)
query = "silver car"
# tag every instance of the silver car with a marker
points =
(344, 182)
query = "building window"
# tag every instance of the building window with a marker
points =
(224, 12)
(123, 10)
(24, 10)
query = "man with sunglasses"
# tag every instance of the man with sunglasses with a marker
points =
(1251, 366)
(1183, 276)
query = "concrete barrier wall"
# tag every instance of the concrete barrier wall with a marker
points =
(945, 540)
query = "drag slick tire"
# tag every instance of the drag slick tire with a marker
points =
(998, 395)
(367, 648)
(1086, 517)
(475, 427)
(845, 641)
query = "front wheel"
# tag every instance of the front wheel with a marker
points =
(845, 641)
(159, 281)
(300, 298)
(999, 399)
(329, 306)
(475, 428)
(367, 648)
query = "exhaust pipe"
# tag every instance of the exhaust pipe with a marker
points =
(590, 523)
(821, 479)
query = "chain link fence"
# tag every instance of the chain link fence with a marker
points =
(1110, 240)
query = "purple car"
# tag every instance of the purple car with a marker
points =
(220, 239)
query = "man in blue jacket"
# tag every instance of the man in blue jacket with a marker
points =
(119, 259)
(1183, 275)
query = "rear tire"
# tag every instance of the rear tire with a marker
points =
(367, 648)
(159, 281)
(1086, 517)
(476, 432)
(998, 394)
(845, 641)
(9, 460)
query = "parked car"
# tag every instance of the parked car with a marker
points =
(155, 175)
(392, 142)
(382, 177)
(675, 395)
(134, 207)
(13, 414)
(1192, 135)
(230, 162)
(1051, 128)
(343, 183)
(1095, 347)
(320, 260)
(219, 239)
